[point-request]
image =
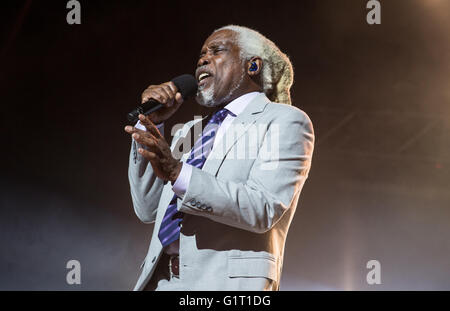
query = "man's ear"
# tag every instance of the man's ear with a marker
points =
(254, 66)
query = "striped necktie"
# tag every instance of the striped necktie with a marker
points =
(170, 225)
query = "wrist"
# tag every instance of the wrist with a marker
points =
(175, 172)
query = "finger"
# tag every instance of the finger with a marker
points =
(146, 140)
(171, 95)
(138, 134)
(172, 87)
(146, 94)
(153, 93)
(131, 130)
(150, 126)
(179, 98)
(169, 89)
(147, 154)
(166, 94)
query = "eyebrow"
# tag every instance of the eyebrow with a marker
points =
(214, 44)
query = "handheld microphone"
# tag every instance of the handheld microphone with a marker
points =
(186, 84)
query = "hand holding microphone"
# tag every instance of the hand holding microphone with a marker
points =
(160, 102)
(165, 94)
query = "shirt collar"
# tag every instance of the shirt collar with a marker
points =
(238, 105)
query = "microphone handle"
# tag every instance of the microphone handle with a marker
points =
(145, 109)
(152, 109)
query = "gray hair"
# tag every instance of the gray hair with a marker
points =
(277, 71)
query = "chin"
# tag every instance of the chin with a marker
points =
(207, 98)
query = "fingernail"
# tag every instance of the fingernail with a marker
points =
(140, 150)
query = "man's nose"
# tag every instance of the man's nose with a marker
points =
(204, 60)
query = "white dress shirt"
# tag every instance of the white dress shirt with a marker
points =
(236, 107)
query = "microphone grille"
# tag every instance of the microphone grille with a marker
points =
(186, 85)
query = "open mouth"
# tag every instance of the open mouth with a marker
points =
(203, 78)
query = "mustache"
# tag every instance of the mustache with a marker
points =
(203, 68)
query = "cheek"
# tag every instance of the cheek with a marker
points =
(229, 74)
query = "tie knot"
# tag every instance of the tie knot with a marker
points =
(219, 116)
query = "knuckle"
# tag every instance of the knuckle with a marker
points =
(172, 85)
(149, 89)
(169, 87)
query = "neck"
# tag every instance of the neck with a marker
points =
(249, 89)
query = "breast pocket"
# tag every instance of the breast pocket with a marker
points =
(256, 265)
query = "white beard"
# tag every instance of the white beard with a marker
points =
(206, 98)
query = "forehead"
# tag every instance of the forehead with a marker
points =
(224, 36)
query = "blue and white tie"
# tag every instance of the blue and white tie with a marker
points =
(170, 225)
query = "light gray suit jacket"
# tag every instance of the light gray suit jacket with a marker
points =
(238, 208)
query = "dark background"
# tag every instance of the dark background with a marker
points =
(378, 96)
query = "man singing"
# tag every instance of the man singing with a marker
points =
(222, 212)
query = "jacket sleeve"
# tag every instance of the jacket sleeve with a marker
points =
(273, 183)
(145, 187)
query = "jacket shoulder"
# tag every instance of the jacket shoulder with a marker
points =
(287, 112)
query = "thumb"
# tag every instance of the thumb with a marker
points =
(179, 98)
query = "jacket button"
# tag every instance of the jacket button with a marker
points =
(193, 203)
